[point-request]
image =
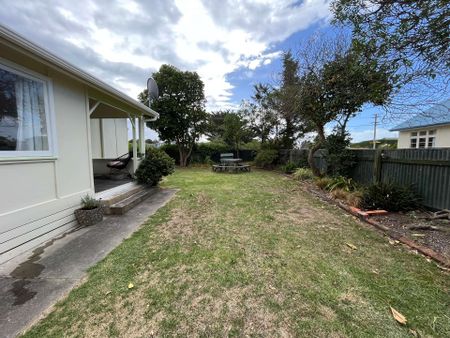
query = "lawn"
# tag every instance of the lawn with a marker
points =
(253, 254)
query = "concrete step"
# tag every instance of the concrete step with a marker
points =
(124, 205)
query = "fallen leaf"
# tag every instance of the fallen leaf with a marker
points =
(413, 332)
(351, 246)
(398, 316)
(130, 286)
(418, 235)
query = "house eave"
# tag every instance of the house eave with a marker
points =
(421, 127)
(20, 43)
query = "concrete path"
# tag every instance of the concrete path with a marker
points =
(31, 283)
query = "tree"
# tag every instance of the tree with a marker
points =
(351, 80)
(182, 108)
(286, 104)
(410, 35)
(260, 114)
(214, 130)
(335, 81)
(235, 131)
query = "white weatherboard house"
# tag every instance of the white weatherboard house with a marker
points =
(58, 125)
(430, 129)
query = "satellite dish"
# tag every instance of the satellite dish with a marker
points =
(152, 88)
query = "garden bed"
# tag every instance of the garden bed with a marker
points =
(437, 237)
(431, 237)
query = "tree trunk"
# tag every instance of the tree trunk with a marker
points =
(313, 149)
(184, 154)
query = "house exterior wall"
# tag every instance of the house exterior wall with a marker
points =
(109, 138)
(38, 195)
(442, 137)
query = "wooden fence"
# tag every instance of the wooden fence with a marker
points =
(427, 170)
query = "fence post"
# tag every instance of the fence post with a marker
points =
(378, 155)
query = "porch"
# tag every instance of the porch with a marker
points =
(109, 130)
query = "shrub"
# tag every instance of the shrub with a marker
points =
(391, 197)
(322, 182)
(266, 158)
(340, 159)
(154, 166)
(303, 174)
(88, 202)
(354, 198)
(341, 182)
(340, 194)
(288, 168)
(172, 151)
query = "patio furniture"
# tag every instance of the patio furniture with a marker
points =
(230, 164)
(119, 164)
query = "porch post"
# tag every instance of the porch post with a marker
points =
(142, 135)
(135, 158)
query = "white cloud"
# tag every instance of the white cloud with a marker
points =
(123, 42)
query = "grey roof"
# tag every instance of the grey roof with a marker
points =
(437, 115)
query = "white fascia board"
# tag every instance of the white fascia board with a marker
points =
(54, 61)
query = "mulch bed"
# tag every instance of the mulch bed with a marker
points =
(437, 239)
(433, 242)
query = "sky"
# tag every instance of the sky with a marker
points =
(232, 44)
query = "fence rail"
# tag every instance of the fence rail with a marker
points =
(428, 170)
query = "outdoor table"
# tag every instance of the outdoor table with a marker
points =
(231, 161)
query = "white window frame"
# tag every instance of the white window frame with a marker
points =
(49, 115)
(416, 135)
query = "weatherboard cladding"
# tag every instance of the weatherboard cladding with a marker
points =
(437, 115)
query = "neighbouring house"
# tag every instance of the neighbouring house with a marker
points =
(58, 127)
(429, 129)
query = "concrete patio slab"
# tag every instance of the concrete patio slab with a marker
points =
(34, 281)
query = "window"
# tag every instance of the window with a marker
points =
(24, 115)
(422, 142)
(423, 139)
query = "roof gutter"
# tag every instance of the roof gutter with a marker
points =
(54, 61)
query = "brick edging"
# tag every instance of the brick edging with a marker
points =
(442, 260)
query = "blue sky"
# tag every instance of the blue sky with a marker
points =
(361, 127)
(232, 44)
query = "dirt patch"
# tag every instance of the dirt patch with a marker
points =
(437, 237)
(327, 313)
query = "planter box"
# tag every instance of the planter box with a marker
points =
(89, 217)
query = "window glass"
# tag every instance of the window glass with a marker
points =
(413, 143)
(431, 132)
(23, 121)
(423, 133)
(422, 142)
(414, 133)
(430, 142)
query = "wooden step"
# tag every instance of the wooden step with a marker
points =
(124, 205)
(117, 194)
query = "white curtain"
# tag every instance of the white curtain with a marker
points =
(31, 132)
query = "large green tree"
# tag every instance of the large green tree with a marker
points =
(286, 102)
(410, 35)
(338, 85)
(235, 131)
(260, 113)
(181, 106)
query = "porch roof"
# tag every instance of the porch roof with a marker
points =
(97, 89)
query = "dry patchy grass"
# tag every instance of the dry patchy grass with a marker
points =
(252, 254)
